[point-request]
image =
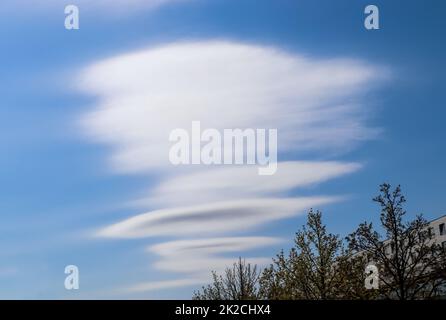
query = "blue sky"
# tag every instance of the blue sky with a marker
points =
(61, 184)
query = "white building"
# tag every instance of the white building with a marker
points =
(437, 229)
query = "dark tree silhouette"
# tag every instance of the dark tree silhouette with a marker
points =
(411, 265)
(238, 283)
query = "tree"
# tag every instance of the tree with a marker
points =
(411, 265)
(278, 281)
(317, 267)
(351, 278)
(238, 283)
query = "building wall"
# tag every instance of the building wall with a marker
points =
(439, 228)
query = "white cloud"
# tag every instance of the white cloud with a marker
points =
(238, 182)
(210, 246)
(114, 6)
(141, 96)
(164, 284)
(144, 95)
(198, 255)
(212, 218)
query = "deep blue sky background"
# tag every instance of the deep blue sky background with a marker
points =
(54, 185)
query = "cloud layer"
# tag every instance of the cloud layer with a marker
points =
(212, 218)
(110, 6)
(235, 182)
(142, 96)
(145, 95)
(197, 255)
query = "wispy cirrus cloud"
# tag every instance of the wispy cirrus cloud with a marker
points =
(109, 6)
(235, 182)
(198, 254)
(142, 96)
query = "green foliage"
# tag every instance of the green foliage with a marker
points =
(317, 267)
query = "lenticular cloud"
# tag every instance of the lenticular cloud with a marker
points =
(315, 105)
(144, 95)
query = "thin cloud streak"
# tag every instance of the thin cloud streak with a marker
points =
(198, 254)
(212, 218)
(115, 7)
(238, 182)
(162, 285)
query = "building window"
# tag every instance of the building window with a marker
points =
(431, 232)
(442, 229)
